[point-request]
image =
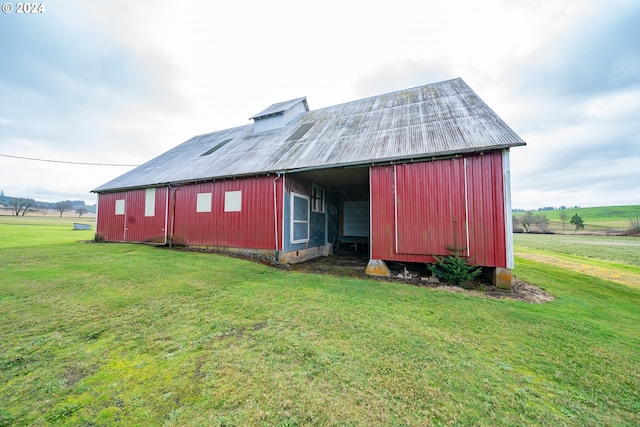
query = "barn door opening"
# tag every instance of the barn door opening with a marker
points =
(344, 222)
(431, 206)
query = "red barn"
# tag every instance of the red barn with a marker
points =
(409, 173)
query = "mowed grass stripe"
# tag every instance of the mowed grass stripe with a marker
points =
(617, 249)
(582, 265)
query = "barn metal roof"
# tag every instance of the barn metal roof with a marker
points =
(434, 120)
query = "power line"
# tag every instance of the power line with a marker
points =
(65, 162)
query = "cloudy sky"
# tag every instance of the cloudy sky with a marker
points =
(113, 82)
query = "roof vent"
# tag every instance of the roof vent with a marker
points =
(300, 132)
(279, 115)
(216, 148)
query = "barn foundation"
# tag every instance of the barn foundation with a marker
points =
(301, 255)
(502, 278)
(377, 267)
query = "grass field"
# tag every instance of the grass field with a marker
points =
(34, 230)
(612, 258)
(123, 334)
(596, 219)
(617, 249)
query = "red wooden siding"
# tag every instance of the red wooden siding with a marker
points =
(141, 228)
(133, 225)
(413, 210)
(298, 185)
(254, 226)
(430, 207)
(382, 236)
(109, 226)
(485, 189)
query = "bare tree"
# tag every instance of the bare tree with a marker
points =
(541, 222)
(20, 206)
(526, 219)
(81, 211)
(62, 207)
(516, 224)
(563, 217)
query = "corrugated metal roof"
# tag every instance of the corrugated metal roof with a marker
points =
(432, 120)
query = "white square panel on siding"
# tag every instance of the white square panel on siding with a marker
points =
(233, 201)
(150, 202)
(203, 202)
(120, 207)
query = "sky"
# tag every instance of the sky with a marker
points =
(94, 87)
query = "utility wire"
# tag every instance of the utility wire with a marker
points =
(65, 162)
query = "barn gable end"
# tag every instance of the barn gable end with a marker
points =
(462, 206)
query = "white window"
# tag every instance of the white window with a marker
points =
(233, 201)
(120, 207)
(299, 218)
(150, 202)
(203, 202)
(318, 199)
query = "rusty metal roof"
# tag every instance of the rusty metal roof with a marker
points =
(434, 120)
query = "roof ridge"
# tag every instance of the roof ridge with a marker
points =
(394, 92)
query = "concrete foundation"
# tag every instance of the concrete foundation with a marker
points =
(283, 257)
(304, 254)
(265, 253)
(502, 278)
(377, 267)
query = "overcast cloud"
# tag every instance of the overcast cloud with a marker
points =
(119, 82)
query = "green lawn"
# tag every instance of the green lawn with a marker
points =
(33, 230)
(123, 334)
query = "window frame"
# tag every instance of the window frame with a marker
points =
(318, 196)
(295, 221)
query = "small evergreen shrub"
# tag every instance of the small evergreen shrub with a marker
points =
(454, 269)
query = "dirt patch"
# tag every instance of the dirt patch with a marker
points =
(354, 265)
(530, 293)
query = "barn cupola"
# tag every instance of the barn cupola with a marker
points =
(279, 115)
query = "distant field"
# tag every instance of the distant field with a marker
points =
(613, 258)
(35, 229)
(126, 334)
(89, 216)
(596, 219)
(620, 249)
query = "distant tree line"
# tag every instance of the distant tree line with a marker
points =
(21, 206)
(529, 221)
(532, 221)
(547, 208)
